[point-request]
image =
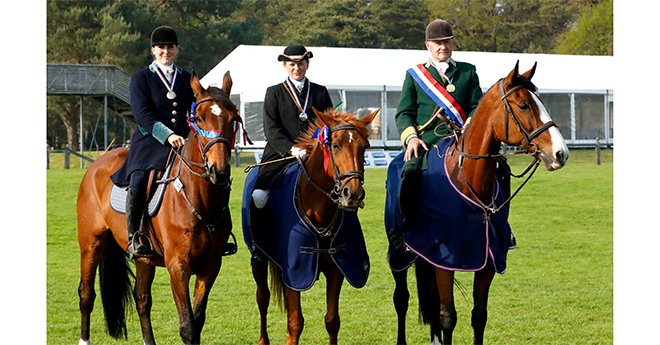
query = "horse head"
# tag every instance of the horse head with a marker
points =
(343, 138)
(213, 120)
(522, 108)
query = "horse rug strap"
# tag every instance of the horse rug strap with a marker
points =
(455, 234)
(118, 195)
(294, 247)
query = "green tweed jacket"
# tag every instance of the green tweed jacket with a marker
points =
(416, 108)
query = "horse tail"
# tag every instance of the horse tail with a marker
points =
(276, 284)
(116, 289)
(427, 292)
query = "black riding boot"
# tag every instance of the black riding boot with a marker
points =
(258, 219)
(408, 200)
(135, 204)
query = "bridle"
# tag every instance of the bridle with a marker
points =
(215, 138)
(527, 135)
(324, 136)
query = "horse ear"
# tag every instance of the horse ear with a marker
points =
(227, 83)
(529, 74)
(367, 119)
(512, 75)
(326, 119)
(196, 85)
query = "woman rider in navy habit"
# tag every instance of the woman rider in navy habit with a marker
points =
(161, 97)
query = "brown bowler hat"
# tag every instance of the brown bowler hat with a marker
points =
(438, 30)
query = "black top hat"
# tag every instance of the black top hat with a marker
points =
(295, 52)
(438, 30)
(163, 35)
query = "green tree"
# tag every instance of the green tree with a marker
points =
(516, 26)
(592, 34)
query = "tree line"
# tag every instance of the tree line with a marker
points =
(115, 32)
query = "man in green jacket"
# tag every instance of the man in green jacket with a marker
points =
(439, 83)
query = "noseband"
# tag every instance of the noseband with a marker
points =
(527, 135)
(341, 179)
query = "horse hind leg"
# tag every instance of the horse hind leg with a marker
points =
(260, 275)
(447, 319)
(90, 256)
(401, 299)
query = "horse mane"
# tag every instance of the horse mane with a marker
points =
(307, 143)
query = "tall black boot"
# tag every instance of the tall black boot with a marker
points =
(408, 196)
(135, 204)
(258, 219)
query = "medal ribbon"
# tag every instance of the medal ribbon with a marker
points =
(321, 134)
(164, 79)
(438, 94)
(289, 87)
(444, 76)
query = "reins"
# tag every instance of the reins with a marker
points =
(527, 142)
(216, 137)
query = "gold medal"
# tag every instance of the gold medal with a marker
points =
(451, 88)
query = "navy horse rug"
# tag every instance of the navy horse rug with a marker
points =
(451, 230)
(294, 247)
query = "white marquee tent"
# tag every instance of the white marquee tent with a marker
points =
(577, 89)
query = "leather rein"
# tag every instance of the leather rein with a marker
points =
(527, 135)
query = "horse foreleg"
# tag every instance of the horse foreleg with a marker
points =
(445, 280)
(296, 322)
(260, 275)
(144, 274)
(203, 284)
(482, 281)
(332, 322)
(401, 298)
(179, 280)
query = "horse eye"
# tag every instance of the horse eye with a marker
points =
(335, 146)
(524, 106)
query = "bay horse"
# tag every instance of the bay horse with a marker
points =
(510, 112)
(190, 231)
(323, 193)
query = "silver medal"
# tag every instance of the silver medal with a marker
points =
(303, 117)
(171, 95)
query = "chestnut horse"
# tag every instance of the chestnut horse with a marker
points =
(328, 180)
(510, 112)
(191, 229)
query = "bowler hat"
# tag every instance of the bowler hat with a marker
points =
(295, 52)
(438, 30)
(163, 35)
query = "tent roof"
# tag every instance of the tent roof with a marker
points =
(254, 68)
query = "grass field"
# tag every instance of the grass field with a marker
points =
(558, 288)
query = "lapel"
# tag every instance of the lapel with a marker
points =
(451, 71)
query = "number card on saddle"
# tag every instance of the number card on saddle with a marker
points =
(451, 230)
(293, 245)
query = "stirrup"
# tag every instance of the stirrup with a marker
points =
(230, 247)
(139, 238)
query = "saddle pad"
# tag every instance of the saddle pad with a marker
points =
(118, 196)
(451, 231)
(291, 245)
(118, 199)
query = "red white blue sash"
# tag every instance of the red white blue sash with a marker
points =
(438, 94)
